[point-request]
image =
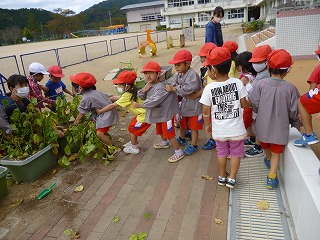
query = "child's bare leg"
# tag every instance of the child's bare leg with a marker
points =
(182, 132)
(305, 118)
(173, 142)
(134, 139)
(194, 134)
(268, 153)
(104, 138)
(222, 166)
(274, 163)
(234, 166)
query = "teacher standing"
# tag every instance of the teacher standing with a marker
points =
(213, 27)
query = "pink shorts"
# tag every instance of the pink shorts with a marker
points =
(230, 148)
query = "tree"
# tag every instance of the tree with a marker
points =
(64, 12)
(27, 33)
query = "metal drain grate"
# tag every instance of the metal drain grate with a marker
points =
(246, 221)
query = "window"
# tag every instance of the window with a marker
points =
(204, 1)
(204, 16)
(236, 13)
(148, 18)
(180, 3)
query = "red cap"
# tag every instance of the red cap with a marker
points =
(181, 56)
(151, 66)
(279, 59)
(126, 76)
(84, 79)
(260, 53)
(217, 56)
(55, 71)
(232, 46)
(205, 49)
(317, 51)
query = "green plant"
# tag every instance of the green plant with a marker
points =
(32, 131)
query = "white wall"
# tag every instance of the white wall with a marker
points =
(299, 169)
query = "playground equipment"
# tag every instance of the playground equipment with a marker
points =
(182, 41)
(150, 44)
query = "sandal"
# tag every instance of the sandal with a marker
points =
(175, 158)
(160, 146)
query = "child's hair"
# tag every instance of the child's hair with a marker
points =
(93, 87)
(218, 11)
(76, 86)
(224, 67)
(243, 60)
(16, 79)
(234, 56)
(134, 91)
(277, 71)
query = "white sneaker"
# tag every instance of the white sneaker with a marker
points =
(130, 149)
(127, 144)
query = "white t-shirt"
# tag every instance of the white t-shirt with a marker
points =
(224, 100)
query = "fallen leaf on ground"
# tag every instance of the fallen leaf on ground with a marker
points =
(54, 171)
(121, 140)
(116, 219)
(148, 216)
(79, 188)
(263, 205)
(207, 177)
(17, 202)
(218, 221)
(123, 129)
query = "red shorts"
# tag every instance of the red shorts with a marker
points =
(247, 117)
(166, 129)
(193, 123)
(103, 130)
(311, 104)
(138, 128)
(275, 148)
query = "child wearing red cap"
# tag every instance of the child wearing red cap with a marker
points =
(233, 47)
(90, 102)
(129, 94)
(309, 104)
(276, 103)
(161, 107)
(224, 99)
(186, 83)
(55, 87)
(259, 64)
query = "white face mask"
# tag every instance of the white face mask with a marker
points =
(318, 57)
(259, 67)
(217, 20)
(23, 92)
(120, 90)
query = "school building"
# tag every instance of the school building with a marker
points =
(181, 13)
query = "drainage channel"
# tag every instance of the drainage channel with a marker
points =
(246, 221)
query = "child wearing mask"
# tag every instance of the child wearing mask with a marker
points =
(125, 85)
(161, 107)
(259, 64)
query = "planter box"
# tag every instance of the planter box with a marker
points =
(32, 167)
(63, 143)
(3, 182)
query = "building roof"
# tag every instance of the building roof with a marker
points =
(142, 5)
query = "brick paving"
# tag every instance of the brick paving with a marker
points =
(181, 204)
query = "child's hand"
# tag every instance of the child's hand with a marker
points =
(147, 87)
(170, 88)
(136, 105)
(76, 122)
(98, 111)
(209, 129)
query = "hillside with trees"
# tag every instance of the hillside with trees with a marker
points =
(41, 25)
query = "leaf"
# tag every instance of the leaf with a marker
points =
(121, 140)
(67, 150)
(36, 138)
(116, 219)
(65, 161)
(262, 205)
(142, 235)
(67, 231)
(54, 171)
(218, 221)
(147, 215)
(90, 148)
(133, 237)
(79, 188)
(207, 177)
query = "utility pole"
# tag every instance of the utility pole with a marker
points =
(110, 18)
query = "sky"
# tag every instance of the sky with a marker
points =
(75, 5)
